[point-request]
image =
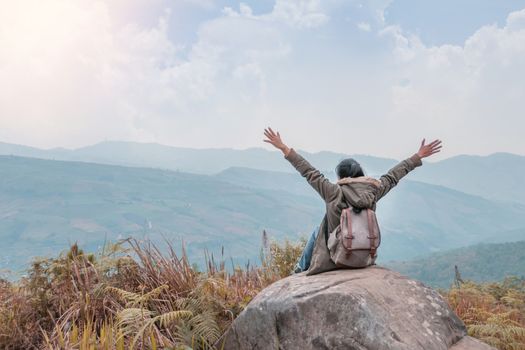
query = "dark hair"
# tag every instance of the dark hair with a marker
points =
(349, 168)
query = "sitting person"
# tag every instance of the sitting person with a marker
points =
(353, 188)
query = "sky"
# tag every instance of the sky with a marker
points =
(367, 77)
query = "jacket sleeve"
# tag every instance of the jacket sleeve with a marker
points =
(391, 179)
(322, 185)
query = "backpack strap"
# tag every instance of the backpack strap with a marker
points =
(372, 233)
(346, 229)
(325, 228)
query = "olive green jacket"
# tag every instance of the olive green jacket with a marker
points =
(360, 192)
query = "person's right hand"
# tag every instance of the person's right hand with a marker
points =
(274, 138)
(430, 149)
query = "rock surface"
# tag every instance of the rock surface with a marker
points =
(372, 308)
(469, 343)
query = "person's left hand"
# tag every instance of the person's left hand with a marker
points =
(430, 149)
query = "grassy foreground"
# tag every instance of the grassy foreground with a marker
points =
(133, 296)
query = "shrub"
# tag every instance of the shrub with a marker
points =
(133, 296)
(129, 296)
(492, 312)
(280, 258)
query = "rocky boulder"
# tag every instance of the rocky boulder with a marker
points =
(372, 308)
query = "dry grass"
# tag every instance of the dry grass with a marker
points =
(133, 296)
(494, 313)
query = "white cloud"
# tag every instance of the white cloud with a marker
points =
(364, 26)
(295, 13)
(380, 8)
(470, 94)
(516, 20)
(206, 4)
(78, 78)
(300, 13)
(74, 73)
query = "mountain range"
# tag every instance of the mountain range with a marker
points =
(199, 161)
(225, 198)
(417, 217)
(46, 205)
(496, 177)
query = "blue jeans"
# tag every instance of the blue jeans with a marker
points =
(304, 262)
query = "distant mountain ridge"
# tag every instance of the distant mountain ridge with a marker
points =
(200, 161)
(496, 177)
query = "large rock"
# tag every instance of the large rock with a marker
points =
(372, 308)
(469, 343)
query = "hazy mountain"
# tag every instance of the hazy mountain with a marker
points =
(415, 217)
(269, 180)
(45, 205)
(202, 161)
(480, 263)
(24, 151)
(422, 218)
(496, 176)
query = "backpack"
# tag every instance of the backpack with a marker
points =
(354, 242)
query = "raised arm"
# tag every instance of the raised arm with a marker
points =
(322, 185)
(391, 179)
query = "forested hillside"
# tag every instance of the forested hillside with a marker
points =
(479, 263)
(46, 205)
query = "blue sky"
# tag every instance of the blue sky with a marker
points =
(448, 21)
(367, 77)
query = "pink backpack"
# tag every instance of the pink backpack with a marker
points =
(355, 241)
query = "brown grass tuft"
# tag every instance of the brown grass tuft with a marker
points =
(133, 296)
(493, 312)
